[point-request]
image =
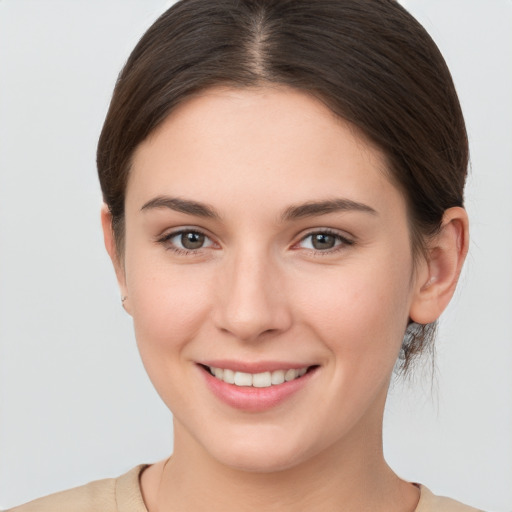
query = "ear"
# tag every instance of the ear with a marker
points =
(110, 245)
(438, 274)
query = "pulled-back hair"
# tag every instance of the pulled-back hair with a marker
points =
(369, 61)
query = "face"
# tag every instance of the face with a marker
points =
(269, 273)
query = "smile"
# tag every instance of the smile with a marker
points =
(256, 387)
(257, 380)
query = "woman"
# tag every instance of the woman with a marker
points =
(283, 186)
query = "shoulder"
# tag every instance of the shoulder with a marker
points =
(121, 494)
(429, 502)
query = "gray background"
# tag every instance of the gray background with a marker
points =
(75, 404)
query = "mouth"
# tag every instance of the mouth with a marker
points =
(261, 387)
(265, 379)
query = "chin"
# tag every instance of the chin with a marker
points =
(258, 454)
(258, 461)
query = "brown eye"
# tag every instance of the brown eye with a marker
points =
(191, 240)
(322, 241)
(186, 241)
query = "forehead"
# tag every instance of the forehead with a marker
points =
(260, 141)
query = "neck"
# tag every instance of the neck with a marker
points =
(351, 475)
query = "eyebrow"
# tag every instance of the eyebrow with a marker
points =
(182, 205)
(309, 209)
(315, 208)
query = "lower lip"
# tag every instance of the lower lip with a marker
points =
(253, 399)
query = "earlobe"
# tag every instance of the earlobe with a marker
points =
(441, 269)
(110, 245)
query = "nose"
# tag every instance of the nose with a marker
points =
(251, 298)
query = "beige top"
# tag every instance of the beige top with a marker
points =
(123, 494)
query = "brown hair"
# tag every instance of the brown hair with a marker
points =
(370, 61)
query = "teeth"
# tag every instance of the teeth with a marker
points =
(257, 380)
(243, 379)
(262, 380)
(290, 375)
(277, 377)
(229, 376)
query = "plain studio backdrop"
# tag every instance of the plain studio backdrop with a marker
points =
(75, 402)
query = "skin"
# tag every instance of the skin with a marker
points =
(259, 290)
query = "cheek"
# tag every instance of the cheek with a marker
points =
(361, 311)
(169, 309)
(169, 305)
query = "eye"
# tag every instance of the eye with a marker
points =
(186, 241)
(189, 240)
(324, 241)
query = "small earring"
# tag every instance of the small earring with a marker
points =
(123, 299)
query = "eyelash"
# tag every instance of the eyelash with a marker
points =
(165, 241)
(343, 242)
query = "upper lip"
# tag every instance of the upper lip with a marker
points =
(254, 367)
